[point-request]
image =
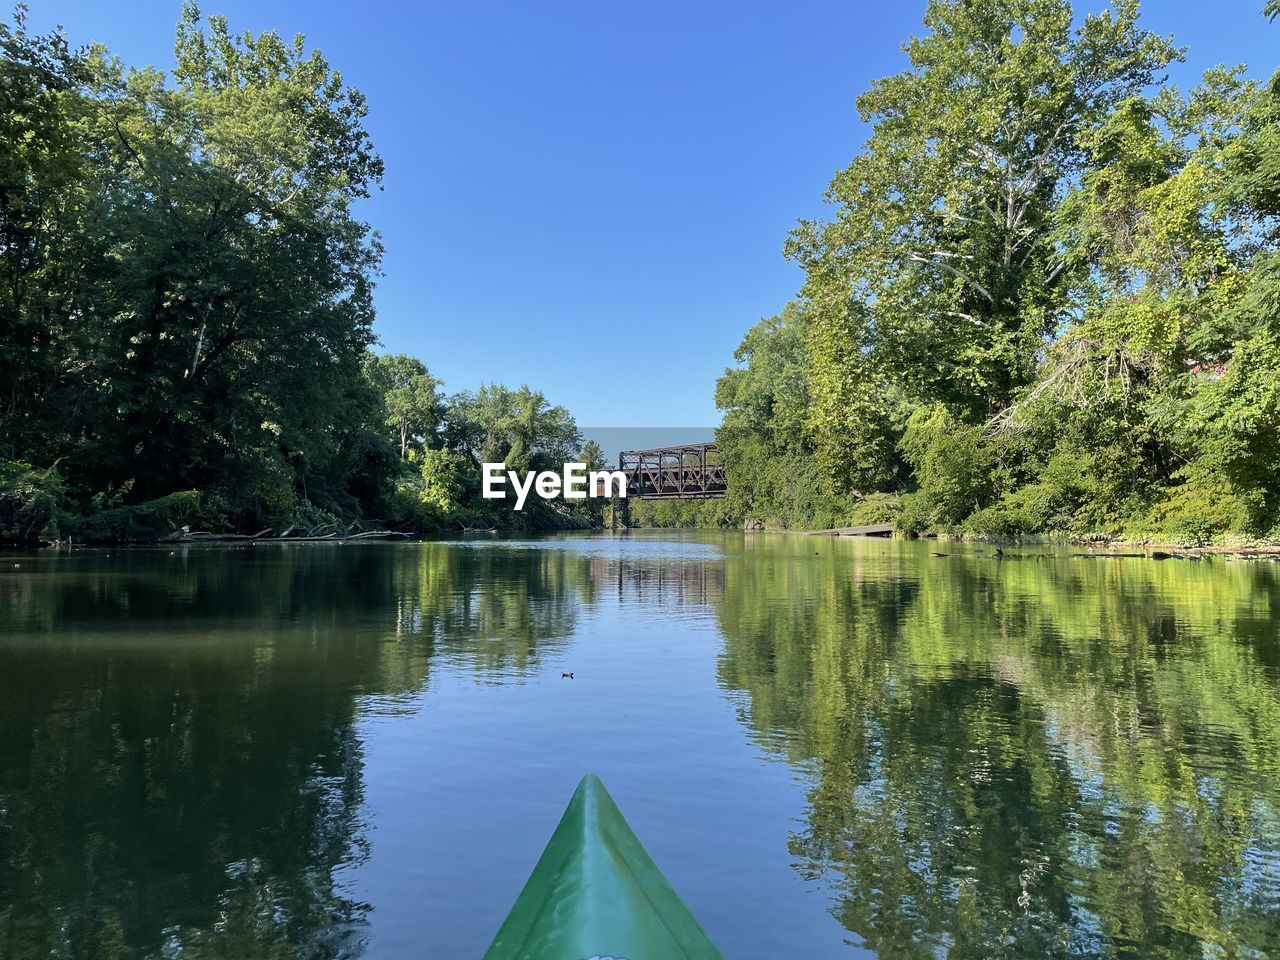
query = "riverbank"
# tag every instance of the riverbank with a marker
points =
(1156, 550)
(37, 514)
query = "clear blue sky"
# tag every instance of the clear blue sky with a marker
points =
(591, 197)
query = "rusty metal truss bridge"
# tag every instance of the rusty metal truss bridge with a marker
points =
(690, 472)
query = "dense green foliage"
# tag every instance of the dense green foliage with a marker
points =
(185, 304)
(1048, 301)
(495, 425)
(1010, 757)
(186, 294)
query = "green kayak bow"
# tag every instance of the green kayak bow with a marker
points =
(596, 894)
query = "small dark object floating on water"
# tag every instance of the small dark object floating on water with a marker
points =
(566, 676)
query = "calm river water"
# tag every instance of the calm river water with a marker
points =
(832, 748)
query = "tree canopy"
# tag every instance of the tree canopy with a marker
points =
(1045, 301)
(186, 313)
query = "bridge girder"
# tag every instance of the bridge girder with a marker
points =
(692, 471)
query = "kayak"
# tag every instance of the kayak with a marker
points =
(596, 894)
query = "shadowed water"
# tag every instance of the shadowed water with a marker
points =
(832, 748)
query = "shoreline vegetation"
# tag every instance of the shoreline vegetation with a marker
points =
(186, 314)
(1095, 548)
(1045, 305)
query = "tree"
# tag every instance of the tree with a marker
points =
(763, 437)
(516, 427)
(42, 166)
(412, 397)
(856, 410)
(592, 454)
(189, 296)
(186, 307)
(941, 255)
(1232, 426)
(776, 464)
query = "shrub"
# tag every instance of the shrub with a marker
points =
(954, 466)
(916, 516)
(1198, 511)
(875, 508)
(32, 502)
(150, 520)
(1000, 521)
(442, 473)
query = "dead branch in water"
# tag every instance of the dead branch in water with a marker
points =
(322, 532)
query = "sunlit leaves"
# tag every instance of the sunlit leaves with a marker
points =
(193, 308)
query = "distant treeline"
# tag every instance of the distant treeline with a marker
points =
(186, 319)
(1047, 300)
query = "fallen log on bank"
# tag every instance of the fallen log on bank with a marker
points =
(326, 532)
(866, 530)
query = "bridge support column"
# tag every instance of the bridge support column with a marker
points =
(619, 513)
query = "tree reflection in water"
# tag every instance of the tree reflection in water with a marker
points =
(1033, 757)
(180, 771)
(1027, 757)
